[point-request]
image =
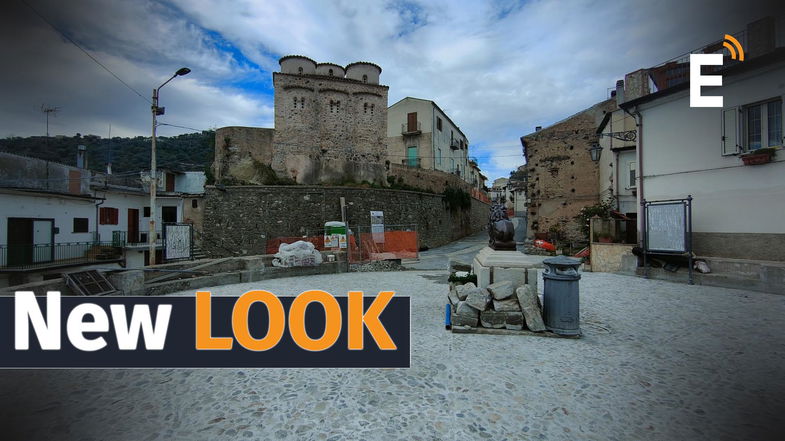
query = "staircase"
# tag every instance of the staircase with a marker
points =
(197, 253)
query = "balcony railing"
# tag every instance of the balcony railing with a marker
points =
(408, 129)
(125, 238)
(34, 256)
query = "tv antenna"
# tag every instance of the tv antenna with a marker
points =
(49, 110)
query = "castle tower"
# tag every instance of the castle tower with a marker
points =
(330, 122)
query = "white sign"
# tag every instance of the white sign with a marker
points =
(665, 225)
(377, 226)
(178, 241)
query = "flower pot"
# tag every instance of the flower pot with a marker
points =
(756, 158)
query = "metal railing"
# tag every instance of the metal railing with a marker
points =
(124, 238)
(32, 256)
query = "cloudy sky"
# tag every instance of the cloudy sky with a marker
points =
(498, 68)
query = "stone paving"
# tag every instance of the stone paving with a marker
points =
(658, 361)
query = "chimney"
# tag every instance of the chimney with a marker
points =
(538, 128)
(636, 85)
(619, 92)
(81, 156)
(760, 37)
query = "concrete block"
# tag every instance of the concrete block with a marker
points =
(531, 309)
(462, 290)
(502, 290)
(493, 319)
(516, 276)
(462, 308)
(129, 282)
(510, 305)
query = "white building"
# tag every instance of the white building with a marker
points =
(738, 209)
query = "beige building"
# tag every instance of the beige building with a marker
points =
(421, 135)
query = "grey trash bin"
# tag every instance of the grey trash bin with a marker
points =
(560, 303)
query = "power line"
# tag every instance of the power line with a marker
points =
(180, 127)
(63, 34)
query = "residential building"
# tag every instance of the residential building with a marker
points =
(500, 191)
(421, 135)
(561, 176)
(57, 218)
(737, 209)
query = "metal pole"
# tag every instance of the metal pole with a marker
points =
(151, 236)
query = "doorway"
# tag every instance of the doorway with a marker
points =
(30, 241)
(133, 225)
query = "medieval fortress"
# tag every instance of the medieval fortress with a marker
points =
(330, 128)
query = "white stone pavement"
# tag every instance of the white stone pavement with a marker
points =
(658, 361)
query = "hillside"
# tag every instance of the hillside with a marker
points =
(192, 151)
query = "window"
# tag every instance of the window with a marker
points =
(439, 156)
(80, 225)
(194, 203)
(108, 215)
(631, 174)
(365, 107)
(330, 72)
(300, 70)
(169, 214)
(762, 125)
(365, 78)
(439, 123)
(146, 212)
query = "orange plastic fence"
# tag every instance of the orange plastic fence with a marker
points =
(396, 245)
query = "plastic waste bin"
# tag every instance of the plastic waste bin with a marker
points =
(560, 303)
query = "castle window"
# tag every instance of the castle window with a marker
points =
(294, 100)
(365, 107)
(302, 103)
(330, 72)
(365, 78)
(300, 70)
(372, 109)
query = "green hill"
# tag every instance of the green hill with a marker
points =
(188, 152)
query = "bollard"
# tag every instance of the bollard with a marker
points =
(560, 303)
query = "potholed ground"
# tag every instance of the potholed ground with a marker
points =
(658, 361)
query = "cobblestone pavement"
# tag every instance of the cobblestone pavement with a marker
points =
(658, 361)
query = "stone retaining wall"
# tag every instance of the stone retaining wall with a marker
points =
(238, 220)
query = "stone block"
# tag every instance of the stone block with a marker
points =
(493, 319)
(532, 278)
(530, 305)
(462, 308)
(462, 290)
(478, 298)
(513, 320)
(453, 297)
(510, 305)
(502, 290)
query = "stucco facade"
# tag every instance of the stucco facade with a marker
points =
(737, 208)
(420, 134)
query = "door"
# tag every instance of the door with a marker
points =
(411, 156)
(411, 122)
(43, 238)
(20, 241)
(133, 225)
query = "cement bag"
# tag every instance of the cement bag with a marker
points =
(299, 253)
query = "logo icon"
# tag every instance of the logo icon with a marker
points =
(697, 61)
(734, 47)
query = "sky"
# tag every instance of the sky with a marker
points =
(498, 68)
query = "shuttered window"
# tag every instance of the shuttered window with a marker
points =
(730, 131)
(108, 216)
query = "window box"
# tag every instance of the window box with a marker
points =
(758, 156)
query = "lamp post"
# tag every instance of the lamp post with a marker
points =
(151, 235)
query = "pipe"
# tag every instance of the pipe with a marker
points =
(447, 318)
(639, 157)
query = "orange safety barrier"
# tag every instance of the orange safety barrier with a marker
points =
(396, 245)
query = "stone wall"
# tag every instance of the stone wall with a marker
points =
(607, 257)
(243, 155)
(430, 180)
(238, 220)
(562, 178)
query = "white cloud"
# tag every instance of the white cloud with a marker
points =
(498, 68)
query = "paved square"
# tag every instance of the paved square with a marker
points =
(658, 361)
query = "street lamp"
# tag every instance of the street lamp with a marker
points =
(595, 151)
(151, 235)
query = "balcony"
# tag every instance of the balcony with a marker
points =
(412, 162)
(455, 144)
(127, 240)
(411, 129)
(29, 257)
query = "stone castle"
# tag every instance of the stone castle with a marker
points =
(330, 128)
